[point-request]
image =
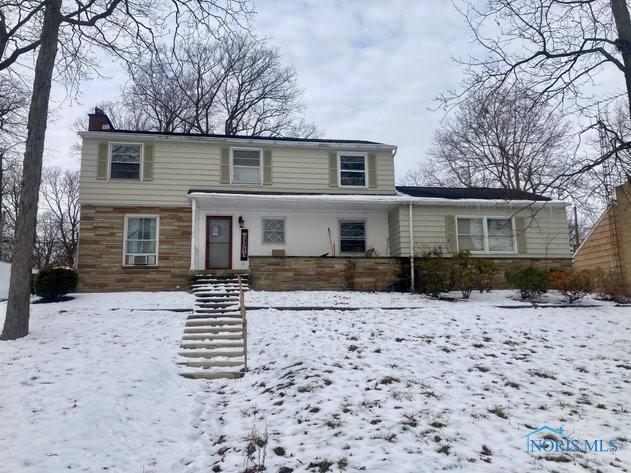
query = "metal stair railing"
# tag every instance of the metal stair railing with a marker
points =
(244, 321)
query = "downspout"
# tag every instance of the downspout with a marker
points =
(411, 248)
(193, 233)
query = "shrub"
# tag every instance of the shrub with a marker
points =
(484, 271)
(434, 273)
(529, 281)
(53, 283)
(463, 273)
(608, 285)
(573, 284)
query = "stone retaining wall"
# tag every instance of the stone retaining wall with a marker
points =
(270, 273)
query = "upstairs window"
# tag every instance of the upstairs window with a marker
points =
(352, 170)
(246, 166)
(352, 237)
(141, 241)
(273, 230)
(125, 161)
(486, 235)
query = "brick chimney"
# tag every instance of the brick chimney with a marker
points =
(99, 121)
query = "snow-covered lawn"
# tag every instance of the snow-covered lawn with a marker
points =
(446, 386)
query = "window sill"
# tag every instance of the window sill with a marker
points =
(140, 266)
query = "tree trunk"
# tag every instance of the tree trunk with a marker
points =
(1, 209)
(17, 316)
(623, 25)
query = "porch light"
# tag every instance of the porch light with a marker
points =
(241, 221)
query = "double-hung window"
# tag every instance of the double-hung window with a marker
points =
(246, 166)
(141, 240)
(273, 230)
(486, 234)
(352, 170)
(125, 161)
(352, 237)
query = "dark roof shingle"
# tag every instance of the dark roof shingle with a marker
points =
(246, 137)
(483, 193)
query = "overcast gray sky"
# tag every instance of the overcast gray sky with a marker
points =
(369, 70)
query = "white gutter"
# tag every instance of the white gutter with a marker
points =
(372, 198)
(410, 207)
(131, 137)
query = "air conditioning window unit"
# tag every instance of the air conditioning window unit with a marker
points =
(141, 260)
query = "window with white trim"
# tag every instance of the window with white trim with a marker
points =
(246, 166)
(273, 230)
(125, 161)
(141, 241)
(486, 234)
(352, 237)
(352, 170)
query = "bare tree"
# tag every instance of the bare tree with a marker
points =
(11, 186)
(559, 49)
(13, 104)
(234, 85)
(509, 139)
(60, 192)
(47, 250)
(62, 36)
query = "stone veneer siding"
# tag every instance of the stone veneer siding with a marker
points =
(270, 273)
(100, 264)
(294, 273)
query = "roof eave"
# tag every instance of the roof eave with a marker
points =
(394, 199)
(241, 141)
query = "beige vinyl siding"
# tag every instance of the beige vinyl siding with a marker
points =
(546, 235)
(394, 232)
(180, 165)
(598, 250)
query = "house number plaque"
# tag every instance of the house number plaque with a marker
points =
(244, 244)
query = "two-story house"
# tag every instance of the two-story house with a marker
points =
(296, 213)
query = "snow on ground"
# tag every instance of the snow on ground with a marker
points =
(446, 386)
(95, 389)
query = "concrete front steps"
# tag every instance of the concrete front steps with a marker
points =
(213, 343)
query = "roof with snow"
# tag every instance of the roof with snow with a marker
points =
(478, 193)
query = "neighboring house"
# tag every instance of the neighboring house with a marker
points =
(608, 244)
(5, 276)
(157, 207)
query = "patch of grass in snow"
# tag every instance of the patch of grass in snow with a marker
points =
(444, 449)
(409, 420)
(541, 374)
(389, 380)
(390, 437)
(333, 423)
(437, 424)
(280, 451)
(499, 412)
(322, 466)
(255, 449)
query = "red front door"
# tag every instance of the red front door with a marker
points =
(219, 242)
